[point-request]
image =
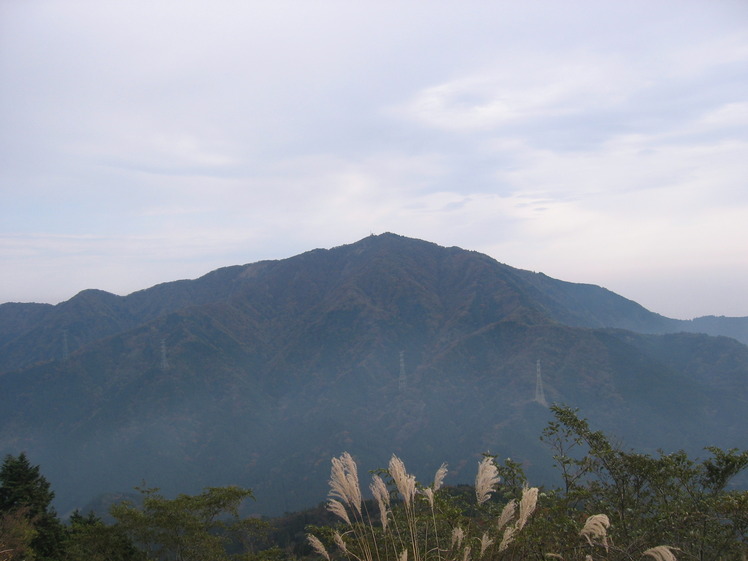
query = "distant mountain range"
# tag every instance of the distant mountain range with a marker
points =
(258, 374)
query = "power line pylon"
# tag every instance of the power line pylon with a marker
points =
(402, 380)
(539, 393)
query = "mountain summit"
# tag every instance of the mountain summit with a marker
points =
(258, 374)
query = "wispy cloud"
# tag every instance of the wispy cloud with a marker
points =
(599, 142)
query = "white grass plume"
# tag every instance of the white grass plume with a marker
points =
(527, 505)
(596, 527)
(337, 508)
(406, 483)
(507, 513)
(428, 492)
(382, 496)
(485, 543)
(661, 553)
(486, 480)
(458, 534)
(509, 534)
(340, 543)
(344, 481)
(439, 477)
(317, 546)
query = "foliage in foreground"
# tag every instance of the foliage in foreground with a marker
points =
(615, 505)
(189, 527)
(669, 499)
(29, 526)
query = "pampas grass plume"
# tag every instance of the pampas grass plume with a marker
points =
(344, 481)
(527, 505)
(439, 477)
(337, 508)
(428, 492)
(596, 527)
(458, 534)
(382, 496)
(661, 553)
(507, 514)
(508, 538)
(486, 480)
(317, 546)
(340, 543)
(485, 543)
(406, 484)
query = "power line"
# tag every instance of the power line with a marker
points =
(539, 393)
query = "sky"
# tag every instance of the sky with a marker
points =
(596, 142)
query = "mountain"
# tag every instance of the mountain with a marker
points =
(258, 374)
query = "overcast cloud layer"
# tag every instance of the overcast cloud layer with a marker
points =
(598, 142)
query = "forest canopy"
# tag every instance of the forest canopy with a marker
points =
(612, 505)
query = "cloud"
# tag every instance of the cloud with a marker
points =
(523, 92)
(591, 140)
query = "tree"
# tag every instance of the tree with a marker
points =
(24, 490)
(186, 528)
(614, 505)
(668, 499)
(90, 539)
(16, 533)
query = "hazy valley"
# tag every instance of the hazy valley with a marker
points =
(258, 374)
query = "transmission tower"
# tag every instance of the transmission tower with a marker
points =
(539, 393)
(402, 380)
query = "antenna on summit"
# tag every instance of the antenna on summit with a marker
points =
(539, 393)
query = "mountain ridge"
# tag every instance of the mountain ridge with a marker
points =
(19, 320)
(258, 374)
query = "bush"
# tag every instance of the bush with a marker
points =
(614, 505)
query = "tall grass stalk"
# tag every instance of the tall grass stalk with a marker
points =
(486, 480)
(410, 528)
(406, 486)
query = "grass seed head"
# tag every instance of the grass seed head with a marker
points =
(382, 496)
(661, 553)
(344, 481)
(507, 513)
(337, 508)
(485, 543)
(596, 528)
(439, 477)
(527, 505)
(486, 480)
(317, 546)
(406, 483)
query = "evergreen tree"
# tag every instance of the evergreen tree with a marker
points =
(23, 488)
(188, 527)
(90, 539)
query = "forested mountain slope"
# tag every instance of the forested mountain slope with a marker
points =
(258, 374)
